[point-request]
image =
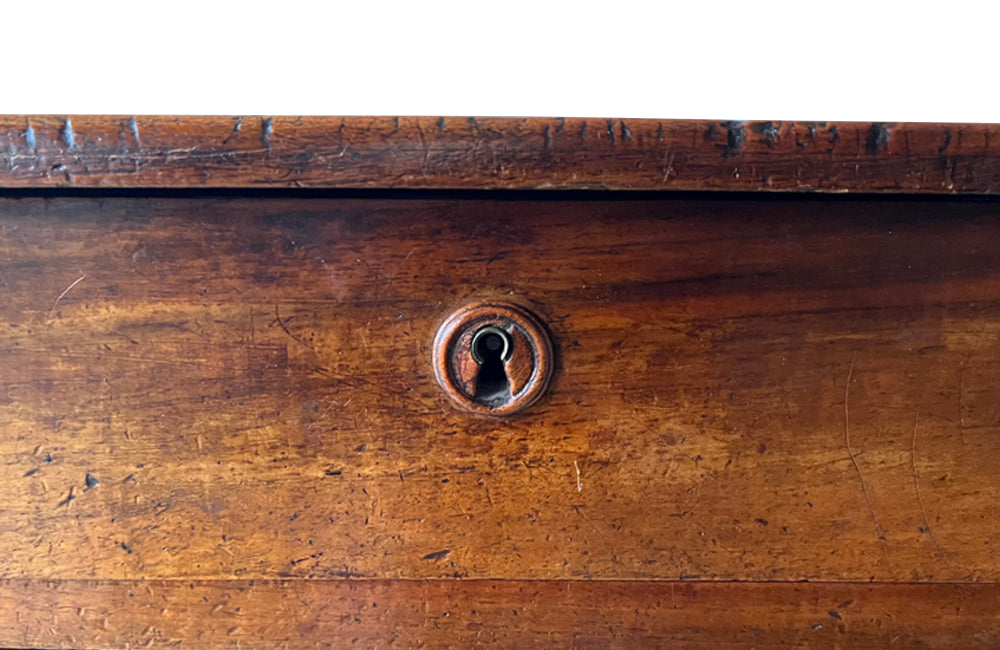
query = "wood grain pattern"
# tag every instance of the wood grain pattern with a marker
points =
(509, 153)
(466, 613)
(775, 390)
(220, 423)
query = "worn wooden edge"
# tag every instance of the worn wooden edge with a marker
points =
(460, 613)
(496, 153)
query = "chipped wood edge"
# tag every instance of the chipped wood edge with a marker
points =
(497, 153)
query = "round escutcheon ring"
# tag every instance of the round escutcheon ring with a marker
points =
(528, 363)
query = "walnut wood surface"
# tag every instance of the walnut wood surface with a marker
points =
(511, 153)
(467, 613)
(237, 390)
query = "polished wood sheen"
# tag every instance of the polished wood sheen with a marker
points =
(772, 421)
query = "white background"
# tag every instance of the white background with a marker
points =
(719, 60)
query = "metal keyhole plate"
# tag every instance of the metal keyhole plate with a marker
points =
(493, 358)
(491, 341)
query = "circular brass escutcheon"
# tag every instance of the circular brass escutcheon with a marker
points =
(493, 358)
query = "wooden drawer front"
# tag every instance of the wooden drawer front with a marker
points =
(755, 389)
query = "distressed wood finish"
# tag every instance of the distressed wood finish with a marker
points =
(465, 613)
(478, 153)
(773, 419)
(220, 388)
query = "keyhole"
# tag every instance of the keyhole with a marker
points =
(491, 347)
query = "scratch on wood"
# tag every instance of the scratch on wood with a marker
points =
(427, 149)
(392, 276)
(67, 134)
(920, 498)
(878, 138)
(29, 135)
(961, 397)
(134, 128)
(67, 290)
(590, 522)
(68, 499)
(285, 329)
(834, 138)
(626, 133)
(266, 130)
(857, 466)
(668, 165)
(735, 135)
(237, 127)
(579, 483)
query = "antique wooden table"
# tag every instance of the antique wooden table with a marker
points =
(772, 417)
